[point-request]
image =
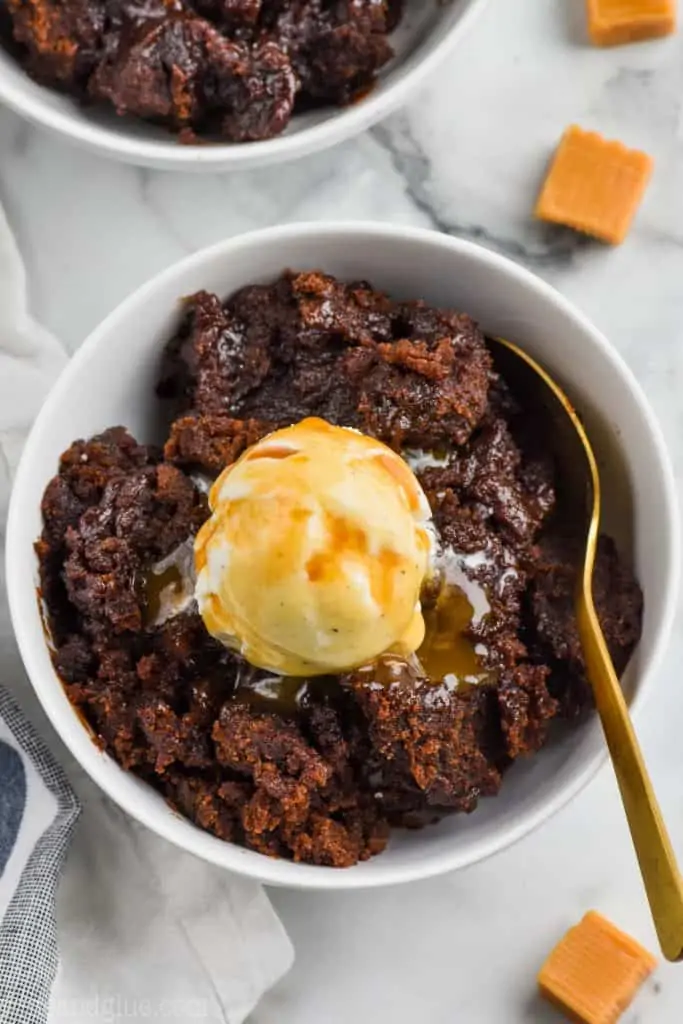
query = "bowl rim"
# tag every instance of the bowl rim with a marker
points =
(78, 740)
(171, 155)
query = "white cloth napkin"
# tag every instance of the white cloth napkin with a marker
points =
(144, 931)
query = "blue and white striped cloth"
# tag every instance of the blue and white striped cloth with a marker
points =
(38, 812)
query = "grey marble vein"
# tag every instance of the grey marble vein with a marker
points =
(537, 245)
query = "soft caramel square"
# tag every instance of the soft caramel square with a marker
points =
(594, 185)
(595, 971)
(613, 22)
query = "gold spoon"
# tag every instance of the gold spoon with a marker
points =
(580, 482)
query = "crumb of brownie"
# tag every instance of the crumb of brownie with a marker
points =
(319, 770)
(140, 516)
(426, 392)
(428, 736)
(292, 782)
(618, 601)
(209, 442)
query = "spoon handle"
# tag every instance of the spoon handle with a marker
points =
(656, 857)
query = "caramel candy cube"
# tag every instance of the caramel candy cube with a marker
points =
(595, 971)
(612, 22)
(594, 185)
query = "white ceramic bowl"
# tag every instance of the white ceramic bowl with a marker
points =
(427, 33)
(111, 381)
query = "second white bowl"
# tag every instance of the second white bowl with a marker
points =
(427, 33)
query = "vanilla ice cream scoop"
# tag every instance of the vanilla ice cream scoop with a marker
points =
(315, 552)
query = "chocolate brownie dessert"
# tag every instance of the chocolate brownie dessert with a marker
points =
(234, 70)
(320, 769)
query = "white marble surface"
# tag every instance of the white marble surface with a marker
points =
(466, 157)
